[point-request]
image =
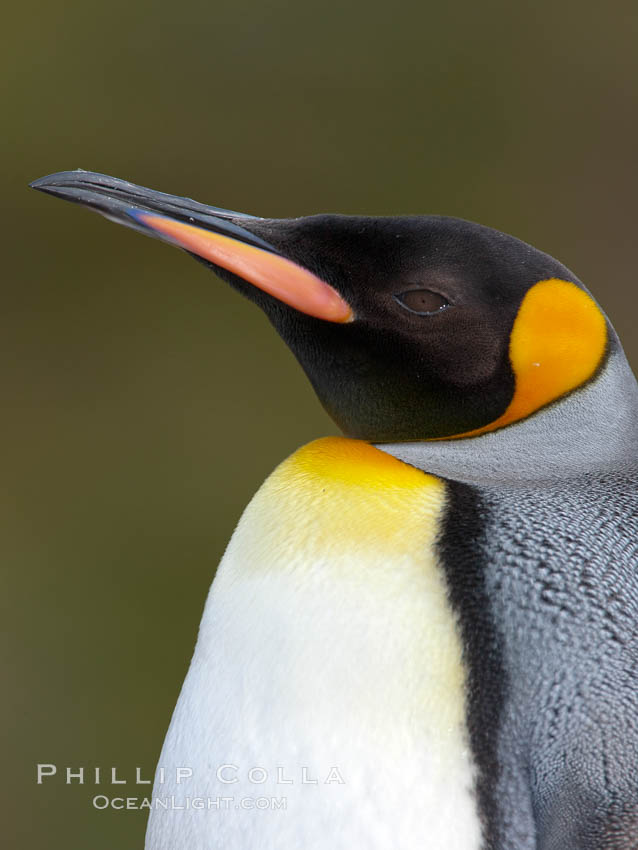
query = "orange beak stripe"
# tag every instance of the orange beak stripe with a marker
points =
(295, 286)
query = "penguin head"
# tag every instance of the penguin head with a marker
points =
(409, 328)
(457, 328)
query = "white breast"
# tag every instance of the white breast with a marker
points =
(329, 665)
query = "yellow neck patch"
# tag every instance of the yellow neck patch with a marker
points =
(339, 495)
(356, 463)
(557, 343)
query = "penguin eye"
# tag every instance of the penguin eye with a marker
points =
(424, 302)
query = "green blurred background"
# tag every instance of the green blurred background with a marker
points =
(144, 402)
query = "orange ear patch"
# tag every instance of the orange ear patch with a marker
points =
(557, 342)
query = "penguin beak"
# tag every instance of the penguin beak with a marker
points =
(221, 237)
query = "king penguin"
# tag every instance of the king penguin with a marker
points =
(422, 634)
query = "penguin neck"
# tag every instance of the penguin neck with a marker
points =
(592, 431)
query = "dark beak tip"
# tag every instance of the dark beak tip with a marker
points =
(58, 179)
(40, 184)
